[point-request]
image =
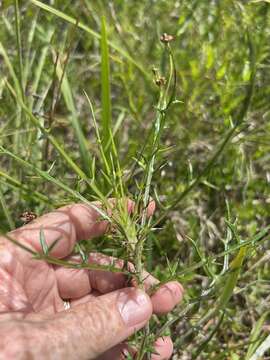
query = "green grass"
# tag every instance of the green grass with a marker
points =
(83, 116)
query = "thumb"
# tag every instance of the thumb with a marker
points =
(96, 326)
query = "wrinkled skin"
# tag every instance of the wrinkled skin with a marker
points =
(104, 311)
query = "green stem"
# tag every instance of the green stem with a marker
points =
(6, 211)
(67, 264)
(19, 43)
(163, 105)
(227, 139)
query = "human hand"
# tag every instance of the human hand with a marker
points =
(104, 312)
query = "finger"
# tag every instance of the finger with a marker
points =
(119, 352)
(163, 349)
(167, 297)
(104, 322)
(84, 299)
(151, 208)
(67, 225)
(163, 300)
(75, 283)
(105, 281)
(72, 283)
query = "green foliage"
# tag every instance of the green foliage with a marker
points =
(84, 117)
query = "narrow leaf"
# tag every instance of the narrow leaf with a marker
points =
(255, 336)
(234, 271)
(106, 120)
(43, 243)
(82, 26)
(68, 98)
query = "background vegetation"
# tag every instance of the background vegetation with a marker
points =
(212, 168)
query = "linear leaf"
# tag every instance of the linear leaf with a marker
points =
(68, 98)
(231, 281)
(43, 242)
(106, 119)
(84, 27)
(46, 176)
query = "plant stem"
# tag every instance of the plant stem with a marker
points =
(227, 139)
(164, 103)
(19, 43)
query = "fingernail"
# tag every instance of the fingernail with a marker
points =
(134, 306)
(177, 290)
